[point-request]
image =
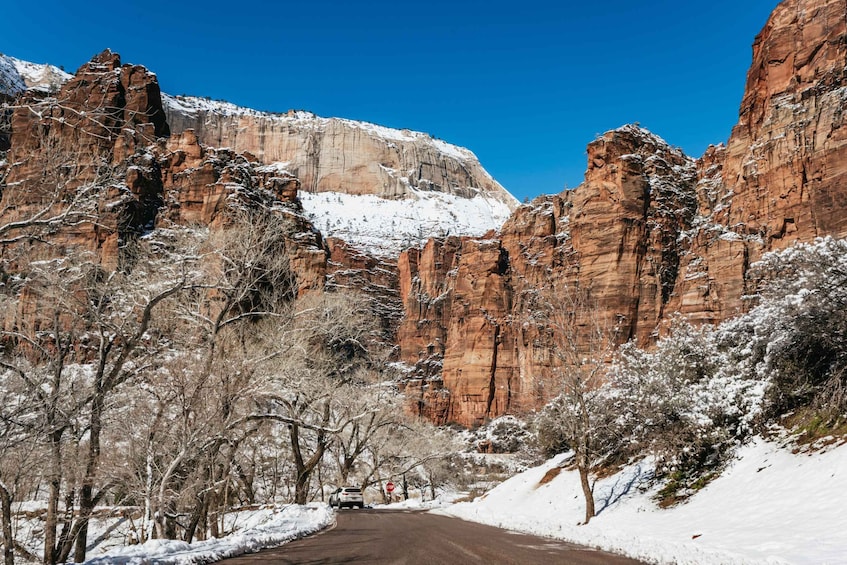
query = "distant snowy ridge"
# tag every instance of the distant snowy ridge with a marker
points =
(17, 76)
(193, 104)
(377, 188)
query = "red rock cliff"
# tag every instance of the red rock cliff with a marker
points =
(782, 178)
(648, 232)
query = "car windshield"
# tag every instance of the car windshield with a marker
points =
(352, 490)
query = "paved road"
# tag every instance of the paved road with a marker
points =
(412, 538)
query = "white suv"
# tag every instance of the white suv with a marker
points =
(347, 496)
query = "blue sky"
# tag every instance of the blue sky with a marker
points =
(525, 85)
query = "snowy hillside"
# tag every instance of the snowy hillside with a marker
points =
(383, 227)
(17, 75)
(770, 506)
(11, 82)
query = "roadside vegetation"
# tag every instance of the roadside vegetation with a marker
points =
(689, 401)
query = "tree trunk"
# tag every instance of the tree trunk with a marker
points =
(147, 525)
(86, 495)
(587, 492)
(196, 516)
(8, 538)
(52, 522)
(303, 469)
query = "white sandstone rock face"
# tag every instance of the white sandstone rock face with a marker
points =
(337, 155)
(411, 186)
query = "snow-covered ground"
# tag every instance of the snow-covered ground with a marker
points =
(384, 227)
(770, 506)
(254, 530)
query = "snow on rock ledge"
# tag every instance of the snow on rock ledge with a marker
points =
(347, 157)
(383, 227)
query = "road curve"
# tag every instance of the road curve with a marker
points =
(411, 538)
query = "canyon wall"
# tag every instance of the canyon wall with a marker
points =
(470, 302)
(100, 145)
(338, 155)
(782, 177)
(649, 233)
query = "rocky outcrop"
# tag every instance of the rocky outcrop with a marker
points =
(102, 143)
(648, 233)
(469, 302)
(782, 178)
(337, 155)
(80, 145)
(377, 188)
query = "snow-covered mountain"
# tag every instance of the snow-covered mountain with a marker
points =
(378, 188)
(16, 76)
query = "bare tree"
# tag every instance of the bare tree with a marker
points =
(582, 342)
(87, 337)
(382, 412)
(326, 349)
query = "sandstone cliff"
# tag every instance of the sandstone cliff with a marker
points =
(377, 188)
(469, 301)
(782, 178)
(649, 232)
(101, 142)
(337, 155)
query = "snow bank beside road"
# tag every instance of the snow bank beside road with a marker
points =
(259, 529)
(770, 506)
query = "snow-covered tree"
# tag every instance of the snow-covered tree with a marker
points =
(582, 343)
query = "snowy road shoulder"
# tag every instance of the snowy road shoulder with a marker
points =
(257, 530)
(770, 506)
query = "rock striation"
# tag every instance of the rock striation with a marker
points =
(650, 232)
(782, 177)
(103, 136)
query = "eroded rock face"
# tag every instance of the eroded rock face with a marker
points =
(201, 184)
(782, 178)
(648, 232)
(88, 135)
(104, 135)
(337, 155)
(469, 302)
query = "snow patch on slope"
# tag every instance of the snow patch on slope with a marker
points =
(11, 81)
(17, 76)
(770, 506)
(383, 227)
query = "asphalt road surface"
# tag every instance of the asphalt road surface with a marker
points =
(411, 538)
